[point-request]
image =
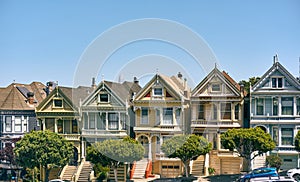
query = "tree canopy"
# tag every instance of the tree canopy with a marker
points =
(186, 148)
(43, 148)
(249, 83)
(112, 153)
(297, 141)
(245, 141)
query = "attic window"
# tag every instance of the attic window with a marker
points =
(103, 97)
(168, 94)
(216, 87)
(157, 91)
(277, 82)
(58, 103)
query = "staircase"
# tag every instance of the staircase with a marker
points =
(54, 173)
(259, 161)
(69, 172)
(85, 172)
(140, 168)
(121, 174)
(198, 167)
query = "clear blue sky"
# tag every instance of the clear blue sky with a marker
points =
(44, 40)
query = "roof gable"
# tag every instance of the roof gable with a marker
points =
(117, 95)
(277, 73)
(217, 84)
(171, 89)
(57, 101)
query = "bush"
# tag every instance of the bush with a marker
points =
(274, 161)
(211, 171)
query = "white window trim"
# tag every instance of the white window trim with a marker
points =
(99, 99)
(141, 120)
(62, 103)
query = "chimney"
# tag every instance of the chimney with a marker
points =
(242, 88)
(93, 83)
(179, 75)
(49, 87)
(185, 88)
(30, 97)
(275, 59)
(135, 80)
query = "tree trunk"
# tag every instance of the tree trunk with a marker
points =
(186, 168)
(248, 159)
(116, 173)
(47, 171)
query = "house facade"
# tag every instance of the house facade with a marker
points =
(59, 113)
(107, 112)
(216, 106)
(17, 109)
(161, 109)
(275, 107)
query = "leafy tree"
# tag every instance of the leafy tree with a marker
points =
(43, 148)
(297, 141)
(113, 153)
(245, 141)
(274, 161)
(251, 81)
(186, 148)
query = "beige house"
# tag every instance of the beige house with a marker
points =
(216, 106)
(160, 113)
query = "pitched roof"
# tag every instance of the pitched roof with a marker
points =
(14, 96)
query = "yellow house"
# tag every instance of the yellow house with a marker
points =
(160, 113)
(216, 106)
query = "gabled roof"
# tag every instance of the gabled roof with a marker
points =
(277, 67)
(73, 96)
(122, 91)
(223, 76)
(14, 96)
(173, 83)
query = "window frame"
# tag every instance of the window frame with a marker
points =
(55, 105)
(144, 116)
(291, 136)
(258, 104)
(8, 124)
(103, 101)
(225, 111)
(213, 86)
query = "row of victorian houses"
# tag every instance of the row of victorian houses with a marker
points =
(164, 107)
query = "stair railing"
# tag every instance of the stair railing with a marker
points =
(62, 171)
(79, 170)
(148, 168)
(132, 169)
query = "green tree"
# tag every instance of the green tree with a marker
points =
(113, 153)
(186, 148)
(252, 81)
(43, 148)
(274, 161)
(245, 141)
(297, 141)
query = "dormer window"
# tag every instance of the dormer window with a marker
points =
(157, 92)
(57, 103)
(277, 82)
(216, 87)
(103, 97)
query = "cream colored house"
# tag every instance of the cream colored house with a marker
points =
(216, 106)
(160, 113)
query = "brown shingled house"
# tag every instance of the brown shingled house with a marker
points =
(17, 109)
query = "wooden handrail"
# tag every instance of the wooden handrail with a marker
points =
(148, 169)
(132, 169)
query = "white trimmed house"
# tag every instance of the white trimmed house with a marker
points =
(275, 107)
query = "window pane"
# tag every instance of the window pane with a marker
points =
(177, 113)
(216, 87)
(168, 116)
(144, 119)
(157, 91)
(287, 136)
(157, 116)
(18, 124)
(67, 126)
(236, 111)
(113, 120)
(275, 106)
(103, 97)
(8, 123)
(260, 106)
(275, 135)
(101, 121)
(225, 110)
(91, 120)
(274, 83)
(298, 106)
(60, 126)
(85, 121)
(287, 105)
(74, 126)
(201, 111)
(49, 124)
(57, 102)
(279, 82)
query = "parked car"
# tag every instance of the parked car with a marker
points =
(58, 180)
(272, 179)
(259, 172)
(294, 173)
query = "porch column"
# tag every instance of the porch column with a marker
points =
(279, 106)
(149, 152)
(295, 106)
(174, 115)
(44, 124)
(232, 111)
(119, 121)
(55, 126)
(218, 111)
